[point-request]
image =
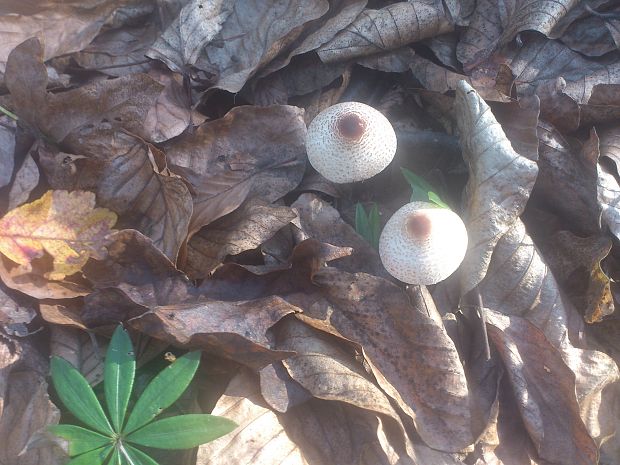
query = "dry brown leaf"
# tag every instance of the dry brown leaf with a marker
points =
(280, 391)
(495, 24)
(244, 229)
(396, 25)
(14, 311)
(197, 24)
(411, 356)
(593, 35)
(85, 352)
(321, 221)
(66, 225)
(260, 436)
(26, 179)
(235, 330)
(499, 185)
(118, 52)
(25, 407)
(544, 388)
(253, 34)
(123, 102)
(63, 27)
(251, 152)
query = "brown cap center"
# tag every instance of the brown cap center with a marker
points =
(418, 226)
(351, 126)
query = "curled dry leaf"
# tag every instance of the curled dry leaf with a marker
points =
(545, 391)
(410, 354)
(494, 25)
(244, 229)
(252, 35)
(63, 27)
(519, 283)
(250, 152)
(499, 185)
(260, 436)
(25, 407)
(376, 31)
(64, 224)
(235, 330)
(123, 102)
(594, 35)
(197, 24)
(85, 352)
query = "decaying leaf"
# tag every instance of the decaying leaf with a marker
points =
(499, 185)
(85, 352)
(66, 225)
(26, 179)
(244, 229)
(376, 31)
(7, 148)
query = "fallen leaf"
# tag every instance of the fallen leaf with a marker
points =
(183, 41)
(235, 330)
(494, 25)
(250, 152)
(85, 352)
(64, 224)
(545, 390)
(244, 229)
(26, 179)
(25, 407)
(253, 35)
(14, 310)
(280, 391)
(260, 436)
(376, 31)
(499, 185)
(593, 35)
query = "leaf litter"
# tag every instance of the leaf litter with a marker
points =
(182, 125)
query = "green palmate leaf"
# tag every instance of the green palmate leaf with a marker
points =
(165, 388)
(119, 372)
(80, 440)
(182, 432)
(94, 457)
(422, 191)
(136, 456)
(78, 396)
(117, 458)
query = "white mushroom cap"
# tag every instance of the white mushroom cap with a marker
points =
(423, 244)
(350, 142)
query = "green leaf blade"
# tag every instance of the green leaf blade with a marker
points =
(422, 191)
(81, 440)
(182, 432)
(374, 226)
(95, 457)
(361, 221)
(119, 372)
(163, 390)
(136, 456)
(77, 395)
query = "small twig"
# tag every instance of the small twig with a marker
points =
(483, 320)
(8, 113)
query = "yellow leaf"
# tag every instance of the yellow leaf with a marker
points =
(64, 224)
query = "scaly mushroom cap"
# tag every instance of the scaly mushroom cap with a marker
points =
(350, 142)
(423, 244)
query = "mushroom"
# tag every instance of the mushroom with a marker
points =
(350, 142)
(422, 243)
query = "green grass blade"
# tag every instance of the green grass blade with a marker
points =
(80, 439)
(374, 226)
(136, 456)
(163, 391)
(77, 395)
(182, 432)
(95, 457)
(119, 372)
(361, 221)
(421, 190)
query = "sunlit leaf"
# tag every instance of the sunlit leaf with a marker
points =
(182, 431)
(78, 396)
(95, 457)
(165, 388)
(119, 371)
(64, 224)
(137, 457)
(81, 440)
